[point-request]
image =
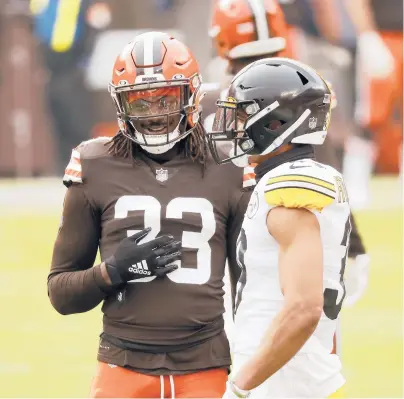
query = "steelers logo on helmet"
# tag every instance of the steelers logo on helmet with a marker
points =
(231, 102)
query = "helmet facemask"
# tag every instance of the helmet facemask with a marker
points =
(156, 115)
(229, 140)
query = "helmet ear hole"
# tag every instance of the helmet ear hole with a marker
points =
(274, 124)
(302, 78)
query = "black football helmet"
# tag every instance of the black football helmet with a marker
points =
(270, 102)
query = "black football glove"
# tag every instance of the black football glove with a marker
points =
(132, 261)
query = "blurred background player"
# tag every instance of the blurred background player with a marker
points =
(65, 31)
(287, 305)
(163, 334)
(314, 37)
(247, 30)
(321, 34)
(379, 60)
(358, 46)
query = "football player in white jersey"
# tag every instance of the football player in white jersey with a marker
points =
(293, 244)
(244, 31)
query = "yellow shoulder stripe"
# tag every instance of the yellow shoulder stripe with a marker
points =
(337, 394)
(301, 178)
(298, 197)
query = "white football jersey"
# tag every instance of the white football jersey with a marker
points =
(314, 371)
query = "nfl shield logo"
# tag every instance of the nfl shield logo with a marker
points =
(312, 123)
(161, 174)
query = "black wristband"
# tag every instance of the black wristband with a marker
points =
(114, 276)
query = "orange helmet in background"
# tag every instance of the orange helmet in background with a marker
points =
(156, 90)
(248, 28)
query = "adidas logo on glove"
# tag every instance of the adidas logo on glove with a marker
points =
(140, 268)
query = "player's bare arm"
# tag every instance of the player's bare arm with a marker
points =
(300, 269)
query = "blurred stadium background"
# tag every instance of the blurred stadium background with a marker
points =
(52, 96)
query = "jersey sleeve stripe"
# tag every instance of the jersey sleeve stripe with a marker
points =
(76, 155)
(309, 189)
(249, 183)
(74, 166)
(73, 171)
(250, 168)
(249, 180)
(302, 178)
(302, 185)
(249, 176)
(296, 197)
(74, 179)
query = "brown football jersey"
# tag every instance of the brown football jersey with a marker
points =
(174, 323)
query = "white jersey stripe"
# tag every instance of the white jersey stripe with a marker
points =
(300, 184)
(74, 166)
(148, 54)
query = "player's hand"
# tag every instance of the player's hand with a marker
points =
(357, 279)
(375, 58)
(132, 260)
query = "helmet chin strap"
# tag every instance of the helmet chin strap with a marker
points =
(156, 148)
(159, 149)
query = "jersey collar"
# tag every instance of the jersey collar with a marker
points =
(299, 152)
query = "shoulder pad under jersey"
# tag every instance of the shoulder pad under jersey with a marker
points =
(87, 149)
(303, 184)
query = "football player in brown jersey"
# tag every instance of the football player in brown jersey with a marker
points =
(244, 31)
(165, 218)
(379, 26)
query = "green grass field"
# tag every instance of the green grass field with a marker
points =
(43, 354)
